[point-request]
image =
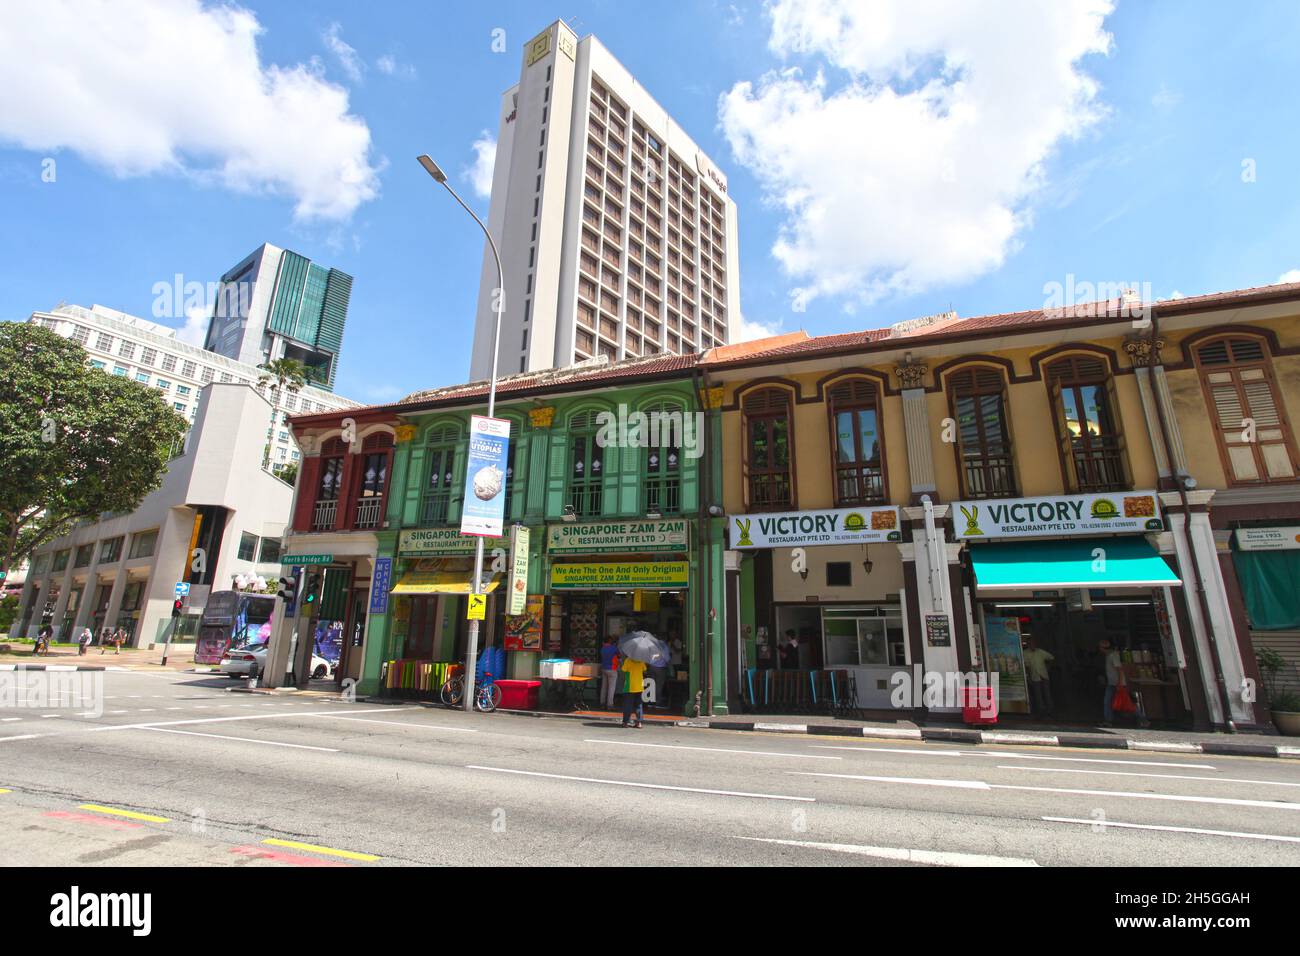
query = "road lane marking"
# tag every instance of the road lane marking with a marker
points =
(394, 723)
(713, 750)
(102, 728)
(276, 856)
(919, 781)
(5, 790)
(129, 814)
(981, 785)
(49, 716)
(90, 818)
(326, 850)
(905, 855)
(247, 740)
(1016, 756)
(1152, 776)
(9, 720)
(644, 786)
(1172, 829)
(5, 740)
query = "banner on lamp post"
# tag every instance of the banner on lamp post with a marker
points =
(483, 512)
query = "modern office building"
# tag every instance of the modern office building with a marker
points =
(151, 354)
(122, 570)
(616, 232)
(278, 304)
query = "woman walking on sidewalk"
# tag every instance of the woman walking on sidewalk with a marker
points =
(631, 684)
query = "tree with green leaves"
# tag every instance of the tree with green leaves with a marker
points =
(75, 442)
(287, 374)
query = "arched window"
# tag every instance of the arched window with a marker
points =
(857, 451)
(1088, 435)
(371, 480)
(977, 397)
(663, 458)
(329, 486)
(586, 465)
(1254, 436)
(768, 449)
(441, 446)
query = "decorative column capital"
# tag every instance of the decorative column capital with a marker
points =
(1138, 348)
(542, 417)
(911, 374)
(711, 398)
(403, 433)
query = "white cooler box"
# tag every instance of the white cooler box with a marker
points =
(555, 667)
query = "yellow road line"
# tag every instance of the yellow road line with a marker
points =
(130, 814)
(328, 851)
(3, 790)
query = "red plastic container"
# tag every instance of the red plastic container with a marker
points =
(979, 705)
(519, 694)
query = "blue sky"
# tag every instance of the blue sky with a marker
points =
(983, 161)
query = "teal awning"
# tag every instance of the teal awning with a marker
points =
(1070, 563)
(1268, 584)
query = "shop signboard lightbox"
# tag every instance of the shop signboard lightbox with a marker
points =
(519, 538)
(483, 512)
(1056, 515)
(621, 576)
(793, 529)
(439, 542)
(618, 537)
(1268, 539)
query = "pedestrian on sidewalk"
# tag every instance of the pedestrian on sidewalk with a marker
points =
(1040, 680)
(1115, 679)
(609, 671)
(631, 684)
(83, 641)
(119, 637)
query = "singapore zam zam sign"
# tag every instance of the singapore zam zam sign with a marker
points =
(1053, 515)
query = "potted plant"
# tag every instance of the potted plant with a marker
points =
(1283, 703)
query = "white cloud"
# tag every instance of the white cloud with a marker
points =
(485, 158)
(1291, 275)
(195, 329)
(917, 169)
(1165, 98)
(169, 86)
(746, 330)
(343, 51)
(389, 66)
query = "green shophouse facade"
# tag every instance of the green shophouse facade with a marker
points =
(606, 569)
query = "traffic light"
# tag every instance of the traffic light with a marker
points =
(313, 586)
(178, 607)
(288, 590)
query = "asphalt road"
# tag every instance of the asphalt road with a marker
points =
(175, 770)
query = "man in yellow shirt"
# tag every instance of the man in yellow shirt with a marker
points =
(631, 683)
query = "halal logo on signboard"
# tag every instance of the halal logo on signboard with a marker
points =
(855, 522)
(1104, 509)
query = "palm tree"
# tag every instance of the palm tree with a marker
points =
(286, 374)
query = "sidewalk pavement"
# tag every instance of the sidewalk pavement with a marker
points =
(180, 657)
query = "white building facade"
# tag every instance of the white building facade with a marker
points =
(616, 232)
(151, 354)
(217, 515)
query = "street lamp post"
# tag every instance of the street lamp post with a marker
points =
(498, 303)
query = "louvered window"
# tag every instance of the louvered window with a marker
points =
(1087, 430)
(856, 442)
(1249, 418)
(435, 502)
(586, 465)
(663, 459)
(768, 450)
(978, 397)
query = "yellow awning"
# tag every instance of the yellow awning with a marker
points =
(439, 582)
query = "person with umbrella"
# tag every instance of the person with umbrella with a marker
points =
(638, 649)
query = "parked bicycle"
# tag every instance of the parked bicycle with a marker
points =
(487, 695)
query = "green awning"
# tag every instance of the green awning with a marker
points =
(1077, 563)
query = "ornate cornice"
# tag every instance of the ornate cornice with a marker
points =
(1138, 349)
(541, 417)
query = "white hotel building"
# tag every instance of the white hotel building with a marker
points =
(121, 570)
(616, 232)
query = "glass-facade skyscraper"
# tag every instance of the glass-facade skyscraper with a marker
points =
(278, 304)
